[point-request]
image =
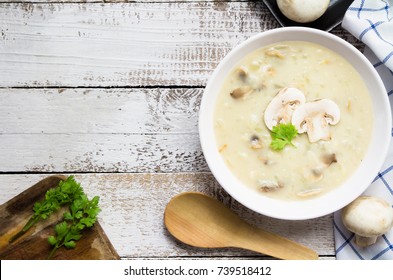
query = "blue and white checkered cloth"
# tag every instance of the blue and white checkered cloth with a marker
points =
(371, 21)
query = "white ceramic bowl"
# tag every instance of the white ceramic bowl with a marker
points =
(341, 195)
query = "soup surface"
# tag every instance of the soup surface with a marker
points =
(306, 168)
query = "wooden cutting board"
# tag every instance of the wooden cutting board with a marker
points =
(33, 244)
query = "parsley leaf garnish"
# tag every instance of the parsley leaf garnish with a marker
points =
(82, 214)
(282, 135)
(65, 192)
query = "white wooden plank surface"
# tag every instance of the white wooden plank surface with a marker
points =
(100, 153)
(133, 207)
(168, 47)
(100, 130)
(99, 111)
(127, 44)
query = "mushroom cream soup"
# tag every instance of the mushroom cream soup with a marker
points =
(305, 86)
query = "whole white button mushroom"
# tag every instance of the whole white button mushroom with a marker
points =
(303, 10)
(368, 217)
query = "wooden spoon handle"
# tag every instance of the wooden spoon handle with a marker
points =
(271, 244)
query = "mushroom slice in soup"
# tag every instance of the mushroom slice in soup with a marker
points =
(240, 92)
(328, 159)
(272, 52)
(242, 73)
(281, 107)
(315, 117)
(313, 174)
(269, 185)
(309, 192)
(255, 142)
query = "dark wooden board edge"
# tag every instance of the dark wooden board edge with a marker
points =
(33, 245)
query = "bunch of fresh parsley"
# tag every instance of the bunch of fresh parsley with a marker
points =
(282, 135)
(82, 213)
(65, 192)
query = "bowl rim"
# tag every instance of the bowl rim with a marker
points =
(338, 197)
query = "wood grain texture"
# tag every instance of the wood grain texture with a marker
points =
(33, 244)
(116, 87)
(100, 111)
(202, 221)
(100, 153)
(100, 130)
(127, 44)
(133, 207)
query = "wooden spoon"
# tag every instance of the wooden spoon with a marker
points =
(202, 221)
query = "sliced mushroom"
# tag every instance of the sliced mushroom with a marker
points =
(310, 192)
(315, 117)
(281, 107)
(265, 158)
(269, 185)
(315, 171)
(241, 92)
(242, 73)
(256, 142)
(313, 174)
(274, 53)
(328, 159)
